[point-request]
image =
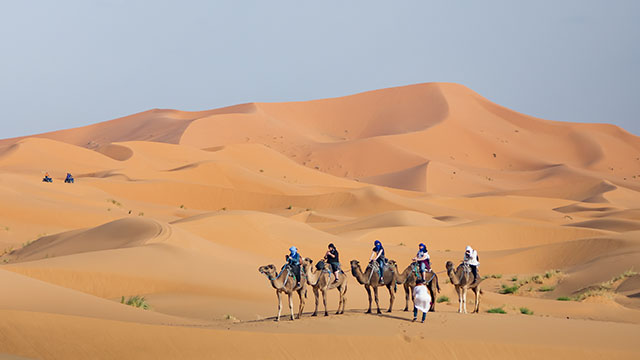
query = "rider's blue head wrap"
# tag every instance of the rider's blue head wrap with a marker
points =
(422, 247)
(293, 250)
(377, 244)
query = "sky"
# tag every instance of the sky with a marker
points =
(65, 64)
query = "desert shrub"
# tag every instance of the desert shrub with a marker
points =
(525, 311)
(136, 301)
(536, 279)
(546, 288)
(442, 299)
(551, 273)
(514, 278)
(498, 310)
(492, 276)
(564, 298)
(509, 289)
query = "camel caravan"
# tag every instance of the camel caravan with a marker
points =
(419, 281)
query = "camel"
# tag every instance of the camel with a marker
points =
(370, 280)
(462, 280)
(408, 279)
(285, 283)
(323, 281)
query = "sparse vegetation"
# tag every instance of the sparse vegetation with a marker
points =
(514, 278)
(551, 273)
(546, 288)
(536, 279)
(231, 318)
(509, 289)
(442, 299)
(289, 207)
(141, 213)
(27, 243)
(402, 244)
(605, 288)
(498, 310)
(136, 301)
(114, 202)
(564, 298)
(525, 311)
(182, 206)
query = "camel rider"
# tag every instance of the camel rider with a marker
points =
(378, 255)
(471, 259)
(293, 261)
(424, 260)
(333, 258)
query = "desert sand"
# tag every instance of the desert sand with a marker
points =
(183, 207)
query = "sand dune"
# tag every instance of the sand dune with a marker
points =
(182, 207)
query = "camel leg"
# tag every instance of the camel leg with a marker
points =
(375, 293)
(324, 302)
(343, 298)
(343, 293)
(476, 306)
(432, 292)
(406, 297)
(301, 294)
(459, 291)
(291, 305)
(316, 295)
(279, 304)
(392, 296)
(369, 294)
(464, 300)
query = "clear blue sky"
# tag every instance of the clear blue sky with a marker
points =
(71, 63)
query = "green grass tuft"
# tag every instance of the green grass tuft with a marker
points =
(551, 273)
(442, 299)
(136, 301)
(564, 298)
(498, 310)
(509, 289)
(525, 311)
(546, 288)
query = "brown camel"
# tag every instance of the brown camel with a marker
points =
(371, 280)
(408, 279)
(285, 283)
(323, 281)
(463, 280)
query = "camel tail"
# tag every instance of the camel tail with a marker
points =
(305, 293)
(437, 285)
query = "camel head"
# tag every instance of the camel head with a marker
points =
(449, 266)
(393, 265)
(355, 264)
(268, 270)
(307, 261)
